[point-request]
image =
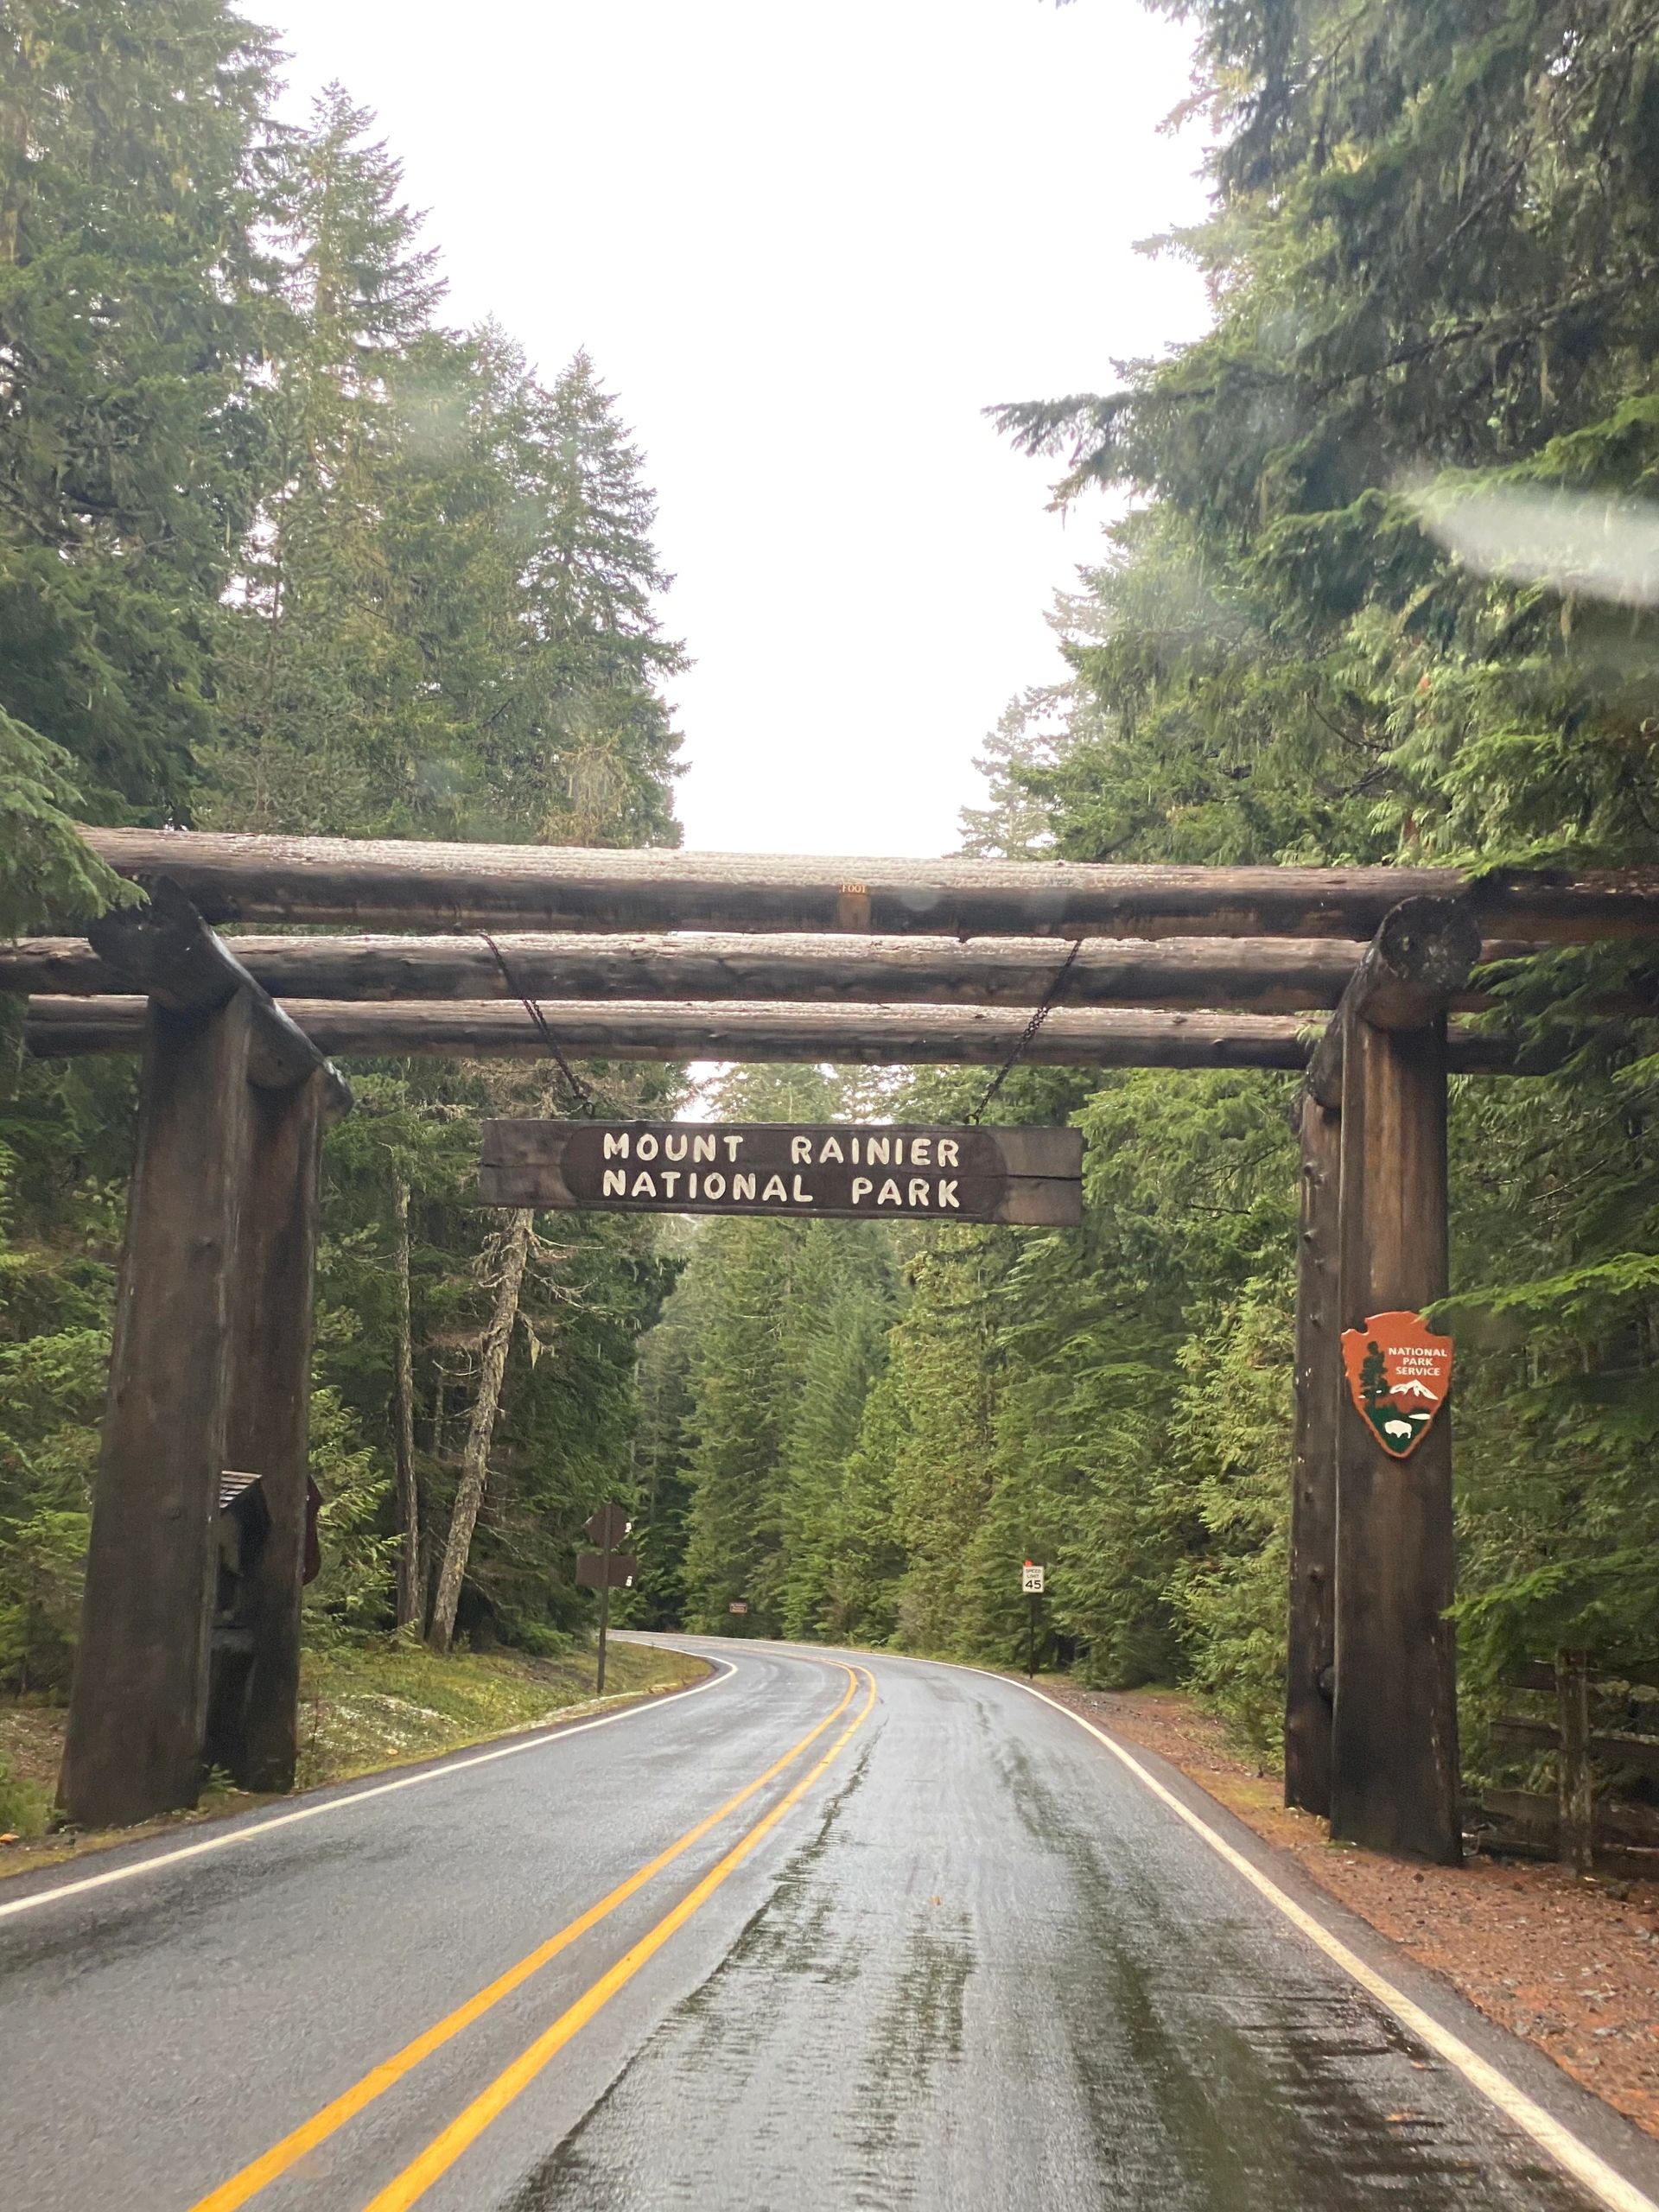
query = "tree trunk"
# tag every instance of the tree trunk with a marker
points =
(409, 1495)
(469, 1496)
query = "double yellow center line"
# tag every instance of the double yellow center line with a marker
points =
(442, 2152)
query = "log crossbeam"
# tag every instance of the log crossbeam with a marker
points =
(165, 950)
(876, 1036)
(1257, 975)
(345, 883)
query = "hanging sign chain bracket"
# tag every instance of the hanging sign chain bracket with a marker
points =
(579, 1091)
(1029, 1033)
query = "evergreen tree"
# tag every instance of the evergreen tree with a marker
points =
(133, 304)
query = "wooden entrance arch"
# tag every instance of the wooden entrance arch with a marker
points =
(1351, 975)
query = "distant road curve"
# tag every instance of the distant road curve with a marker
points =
(830, 1931)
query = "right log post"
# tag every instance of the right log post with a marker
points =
(1394, 1778)
(1309, 1672)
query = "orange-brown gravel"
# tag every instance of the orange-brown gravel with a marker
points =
(1571, 1965)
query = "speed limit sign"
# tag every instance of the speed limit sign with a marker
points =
(1031, 1579)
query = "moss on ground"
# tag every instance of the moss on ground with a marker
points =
(367, 1706)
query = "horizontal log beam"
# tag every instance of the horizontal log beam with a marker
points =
(1258, 975)
(869, 1036)
(340, 881)
(165, 950)
(1416, 965)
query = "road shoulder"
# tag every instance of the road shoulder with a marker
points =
(372, 1713)
(1565, 1968)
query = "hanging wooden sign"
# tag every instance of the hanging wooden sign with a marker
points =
(850, 1171)
(1398, 1373)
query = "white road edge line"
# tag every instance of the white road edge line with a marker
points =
(553, 1733)
(1610, 2188)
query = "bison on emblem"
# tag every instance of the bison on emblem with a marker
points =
(1398, 1373)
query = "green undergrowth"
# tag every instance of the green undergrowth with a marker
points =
(383, 1703)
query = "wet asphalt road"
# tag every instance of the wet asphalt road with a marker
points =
(978, 1966)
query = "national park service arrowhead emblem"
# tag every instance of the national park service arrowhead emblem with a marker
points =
(1399, 1374)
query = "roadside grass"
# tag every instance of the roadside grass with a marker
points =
(363, 1707)
(388, 1703)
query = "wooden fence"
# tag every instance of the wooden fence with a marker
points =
(1602, 1733)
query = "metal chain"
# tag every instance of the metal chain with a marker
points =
(1031, 1029)
(579, 1091)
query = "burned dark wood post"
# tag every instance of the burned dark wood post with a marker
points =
(1394, 1780)
(139, 1705)
(212, 1325)
(1311, 1654)
(256, 1726)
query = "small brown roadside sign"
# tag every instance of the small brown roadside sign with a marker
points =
(607, 1526)
(605, 1570)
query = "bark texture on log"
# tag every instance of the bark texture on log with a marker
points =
(1394, 1781)
(409, 1495)
(269, 1425)
(1417, 964)
(342, 881)
(139, 1704)
(1258, 975)
(164, 949)
(881, 1036)
(475, 1458)
(1575, 1772)
(1313, 1468)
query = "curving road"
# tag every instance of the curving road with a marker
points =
(948, 1950)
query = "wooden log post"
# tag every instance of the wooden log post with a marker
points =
(1395, 1779)
(139, 1705)
(255, 1734)
(1575, 1779)
(1311, 1650)
(212, 1348)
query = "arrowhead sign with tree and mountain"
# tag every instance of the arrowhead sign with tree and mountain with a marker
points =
(1399, 1373)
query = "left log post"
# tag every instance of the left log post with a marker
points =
(256, 1726)
(138, 1704)
(210, 1367)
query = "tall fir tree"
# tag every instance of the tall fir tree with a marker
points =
(134, 305)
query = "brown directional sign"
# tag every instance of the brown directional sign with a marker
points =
(854, 1171)
(607, 1526)
(591, 1565)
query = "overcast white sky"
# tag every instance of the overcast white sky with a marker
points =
(806, 245)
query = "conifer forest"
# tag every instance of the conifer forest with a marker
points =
(285, 549)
